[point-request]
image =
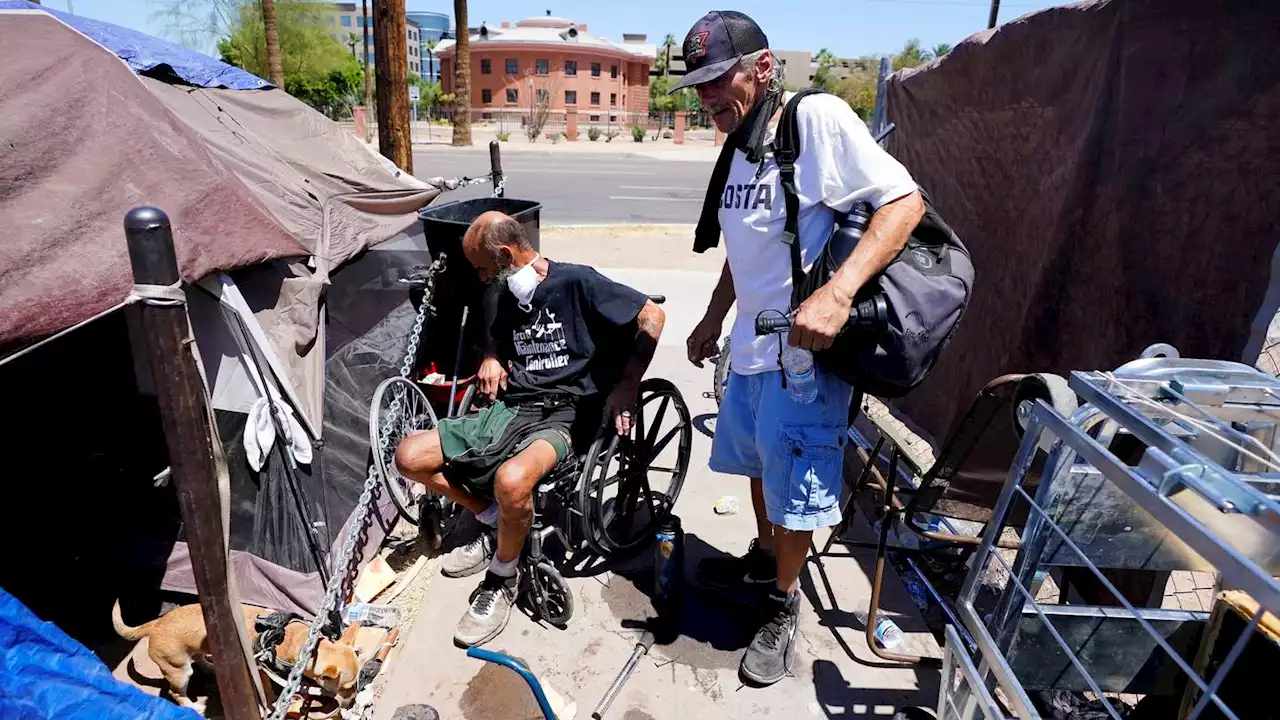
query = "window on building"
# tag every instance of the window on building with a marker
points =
(513, 66)
(346, 21)
(360, 21)
(613, 99)
(570, 67)
(486, 67)
(513, 96)
(595, 98)
(543, 67)
(595, 118)
(370, 56)
(595, 69)
(570, 97)
(613, 71)
(486, 96)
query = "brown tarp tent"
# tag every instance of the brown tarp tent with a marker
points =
(291, 236)
(1112, 167)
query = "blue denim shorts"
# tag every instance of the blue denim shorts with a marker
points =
(797, 450)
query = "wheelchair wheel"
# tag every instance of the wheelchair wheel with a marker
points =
(549, 594)
(437, 517)
(399, 409)
(629, 484)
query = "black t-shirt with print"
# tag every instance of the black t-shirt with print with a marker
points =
(575, 338)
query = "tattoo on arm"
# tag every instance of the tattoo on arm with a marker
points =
(648, 329)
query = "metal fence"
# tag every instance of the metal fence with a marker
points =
(1170, 466)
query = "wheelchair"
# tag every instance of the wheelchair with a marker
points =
(602, 502)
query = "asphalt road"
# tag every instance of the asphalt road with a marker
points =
(582, 188)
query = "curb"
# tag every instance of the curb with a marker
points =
(621, 226)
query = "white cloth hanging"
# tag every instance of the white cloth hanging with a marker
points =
(260, 434)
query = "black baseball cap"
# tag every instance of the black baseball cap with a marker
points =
(717, 42)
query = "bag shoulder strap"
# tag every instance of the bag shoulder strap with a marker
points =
(786, 149)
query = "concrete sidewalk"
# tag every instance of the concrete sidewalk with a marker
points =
(698, 146)
(835, 674)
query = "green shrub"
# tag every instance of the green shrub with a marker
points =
(593, 133)
(637, 133)
(504, 136)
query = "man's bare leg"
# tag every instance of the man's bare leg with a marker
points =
(764, 528)
(791, 548)
(420, 459)
(513, 488)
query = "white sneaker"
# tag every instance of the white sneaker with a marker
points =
(473, 557)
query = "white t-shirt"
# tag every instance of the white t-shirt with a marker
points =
(838, 165)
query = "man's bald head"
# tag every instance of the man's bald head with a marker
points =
(496, 244)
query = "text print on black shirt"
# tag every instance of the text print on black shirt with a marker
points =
(575, 338)
(542, 344)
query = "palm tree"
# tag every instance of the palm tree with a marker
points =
(461, 77)
(431, 60)
(274, 67)
(822, 76)
(941, 49)
(368, 76)
(667, 42)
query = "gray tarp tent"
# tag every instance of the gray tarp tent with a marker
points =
(292, 236)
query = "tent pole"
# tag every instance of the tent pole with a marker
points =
(180, 395)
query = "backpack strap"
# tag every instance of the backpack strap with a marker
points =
(786, 149)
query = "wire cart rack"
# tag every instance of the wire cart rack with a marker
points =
(1168, 469)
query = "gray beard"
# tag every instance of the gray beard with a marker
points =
(501, 277)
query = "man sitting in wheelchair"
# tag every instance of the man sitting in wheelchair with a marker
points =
(563, 335)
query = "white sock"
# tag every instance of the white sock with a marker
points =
(489, 516)
(503, 569)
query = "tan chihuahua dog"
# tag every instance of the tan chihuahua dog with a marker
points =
(177, 639)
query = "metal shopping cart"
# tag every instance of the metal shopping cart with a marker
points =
(1168, 471)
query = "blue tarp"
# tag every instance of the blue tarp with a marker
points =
(145, 53)
(46, 674)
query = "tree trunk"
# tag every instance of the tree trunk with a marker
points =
(390, 58)
(274, 68)
(368, 74)
(461, 77)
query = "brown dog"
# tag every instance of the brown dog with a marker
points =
(177, 639)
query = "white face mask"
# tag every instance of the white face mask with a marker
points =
(523, 282)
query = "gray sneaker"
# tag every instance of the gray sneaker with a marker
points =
(768, 657)
(490, 609)
(471, 558)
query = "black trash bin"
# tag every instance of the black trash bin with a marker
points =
(460, 286)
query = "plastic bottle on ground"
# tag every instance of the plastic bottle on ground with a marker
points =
(802, 378)
(888, 634)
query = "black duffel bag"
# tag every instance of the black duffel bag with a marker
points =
(926, 288)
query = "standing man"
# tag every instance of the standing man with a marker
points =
(791, 452)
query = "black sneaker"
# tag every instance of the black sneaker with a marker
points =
(753, 574)
(768, 657)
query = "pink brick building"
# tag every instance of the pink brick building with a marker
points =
(510, 64)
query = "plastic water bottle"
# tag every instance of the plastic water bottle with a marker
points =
(888, 634)
(802, 378)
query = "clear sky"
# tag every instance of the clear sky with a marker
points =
(848, 27)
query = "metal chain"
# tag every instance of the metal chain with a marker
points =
(340, 584)
(501, 186)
